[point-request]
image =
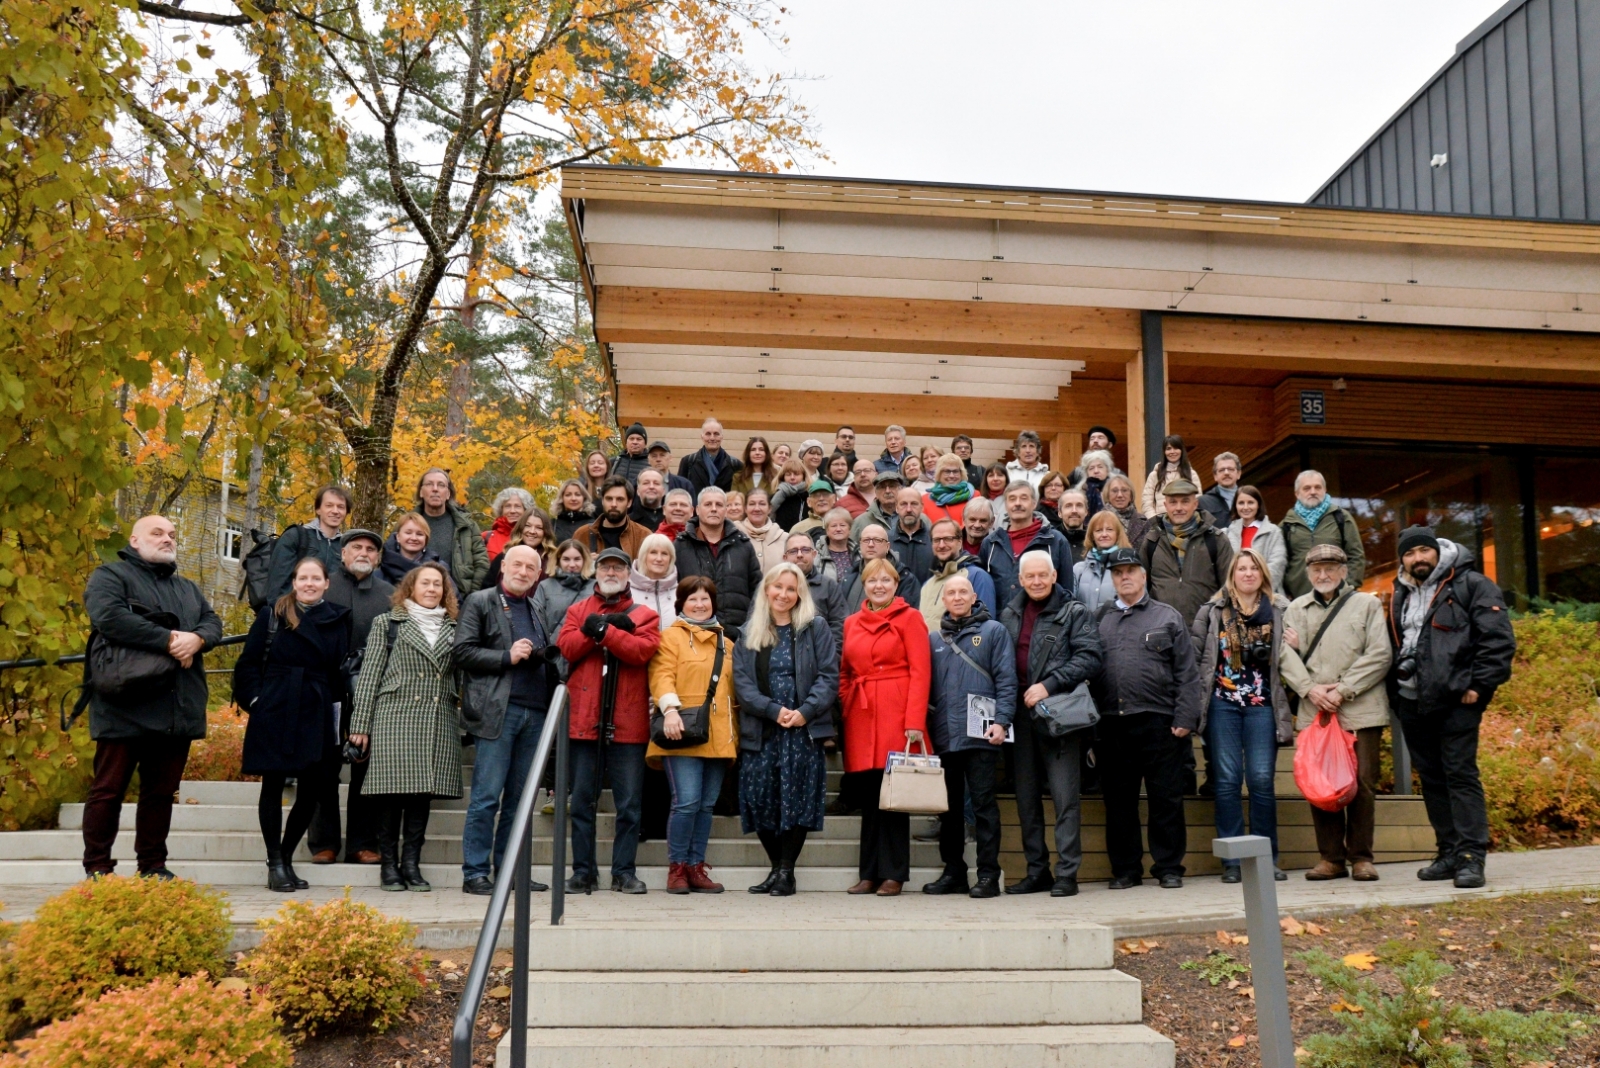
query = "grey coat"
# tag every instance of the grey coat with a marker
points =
(406, 702)
(816, 678)
(483, 641)
(1207, 648)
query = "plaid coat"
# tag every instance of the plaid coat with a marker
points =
(407, 702)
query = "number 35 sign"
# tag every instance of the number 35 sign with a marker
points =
(1313, 408)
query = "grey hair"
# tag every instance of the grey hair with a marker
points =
(894, 426)
(710, 491)
(981, 504)
(1031, 437)
(679, 491)
(759, 632)
(1022, 483)
(837, 513)
(1097, 456)
(1035, 554)
(1301, 477)
(507, 494)
(1221, 456)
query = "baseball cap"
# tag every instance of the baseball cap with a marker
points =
(1123, 558)
(820, 485)
(616, 554)
(659, 446)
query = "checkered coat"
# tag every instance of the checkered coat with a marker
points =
(407, 701)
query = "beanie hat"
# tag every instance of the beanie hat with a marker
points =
(1415, 537)
(636, 428)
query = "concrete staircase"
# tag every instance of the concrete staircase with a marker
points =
(728, 995)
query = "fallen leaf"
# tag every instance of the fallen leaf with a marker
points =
(448, 966)
(1591, 900)
(405, 1043)
(1233, 984)
(496, 1030)
(1361, 962)
(501, 992)
(1236, 1041)
(1594, 947)
(1344, 1006)
(1315, 929)
(1241, 940)
(191, 800)
(1409, 923)
(1292, 927)
(1456, 949)
(233, 982)
(1224, 938)
(1247, 992)
(1445, 932)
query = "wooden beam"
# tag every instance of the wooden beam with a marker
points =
(1134, 436)
(875, 324)
(1448, 412)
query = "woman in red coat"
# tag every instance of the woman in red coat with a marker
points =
(884, 673)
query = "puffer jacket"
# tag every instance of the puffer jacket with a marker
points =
(1354, 653)
(631, 712)
(1464, 637)
(1206, 631)
(658, 595)
(985, 642)
(1189, 584)
(1269, 543)
(1336, 527)
(680, 674)
(1091, 584)
(1149, 664)
(629, 466)
(1065, 649)
(816, 679)
(734, 567)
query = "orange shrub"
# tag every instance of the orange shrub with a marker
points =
(219, 755)
(166, 1024)
(1539, 749)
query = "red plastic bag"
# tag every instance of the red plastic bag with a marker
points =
(1325, 764)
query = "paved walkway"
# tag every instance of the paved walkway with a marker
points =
(449, 919)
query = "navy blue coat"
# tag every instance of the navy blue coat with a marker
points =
(986, 642)
(288, 690)
(996, 557)
(816, 680)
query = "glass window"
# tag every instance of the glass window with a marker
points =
(1567, 493)
(232, 543)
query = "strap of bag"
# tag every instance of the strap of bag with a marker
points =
(1338, 606)
(973, 664)
(716, 675)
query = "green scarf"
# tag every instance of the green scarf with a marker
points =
(944, 496)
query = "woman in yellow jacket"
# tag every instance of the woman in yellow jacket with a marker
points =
(681, 674)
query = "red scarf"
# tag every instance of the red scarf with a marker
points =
(1020, 539)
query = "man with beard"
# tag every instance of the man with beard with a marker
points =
(676, 511)
(715, 548)
(1453, 647)
(652, 492)
(355, 584)
(613, 529)
(859, 497)
(976, 522)
(886, 491)
(949, 560)
(1074, 512)
(608, 641)
(139, 601)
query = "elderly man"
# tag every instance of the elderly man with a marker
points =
(1026, 530)
(507, 659)
(1217, 502)
(710, 464)
(974, 669)
(949, 560)
(976, 522)
(139, 601)
(894, 451)
(1028, 467)
(819, 502)
(1149, 695)
(607, 635)
(651, 492)
(318, 536)
(1057, 648)
(612, 529)
(886, 486)
(859, 497)
(677, 508)
(355, 584)
(715, 548)
(1335, 656)
(874, 545)
(1316, 520)
(909, 535)
(1453, 646)
(451, 532)
(660, 459)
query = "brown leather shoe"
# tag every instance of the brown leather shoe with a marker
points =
(1327, 869)
(678, 878)
(368, 856)
(699, 881)
(324, 856)
(889, 888)
(865, 886)
(1364, 871)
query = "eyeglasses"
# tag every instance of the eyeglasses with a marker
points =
(945, 538)
(806, 551)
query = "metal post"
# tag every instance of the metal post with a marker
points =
(1402, 756)
(522, 919)
(1275, 1037)
(558, 843)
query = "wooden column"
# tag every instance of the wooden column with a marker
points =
(1065, 448)
(1135, 436)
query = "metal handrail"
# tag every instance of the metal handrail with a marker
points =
(520, 859)
(77, 658)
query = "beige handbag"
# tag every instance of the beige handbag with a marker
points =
(913, 783)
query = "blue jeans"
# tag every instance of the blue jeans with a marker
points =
(1244, 750)
(499, 772)
(624, 772)
(695, 782)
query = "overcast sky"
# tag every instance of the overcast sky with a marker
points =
(1254, 100)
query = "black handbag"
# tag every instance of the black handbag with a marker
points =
(1064, 713)
(696, 721)
(123, 674)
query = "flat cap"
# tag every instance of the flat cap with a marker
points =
(1179, 487)
(357, 533)
(889, 476)
(1325, 553)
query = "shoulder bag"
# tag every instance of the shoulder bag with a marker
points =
(1305, 657)
(696, 721)
(121, 673)
(1064, 713)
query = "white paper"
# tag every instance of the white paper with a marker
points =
(980, 717)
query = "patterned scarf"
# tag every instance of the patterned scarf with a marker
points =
(944, 496)
(1178, 536)
(1313, 516)
(1241, 630)
(1098, 555)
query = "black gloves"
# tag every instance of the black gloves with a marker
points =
(621, 621)
(595, 626)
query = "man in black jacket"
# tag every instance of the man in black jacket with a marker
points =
(1453, 648)
(1057, 647)
(715, 548)
(1149, 695)
(710, 464)
(647, 508)
(140, 602)
(633, 458)
(319, 537)
(356, 585)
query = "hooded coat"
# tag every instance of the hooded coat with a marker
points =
(984, 642)
(659, 595)
(288, 690)
(1457, 624)
(885, 672)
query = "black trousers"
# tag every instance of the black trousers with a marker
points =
(160, 761)
(310, 783)
(1444, 750)
(362, 817)
(971, 771)
(1134, 750)
(885, 836)
(1040, 762)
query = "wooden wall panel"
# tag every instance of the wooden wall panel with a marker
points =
(1435, 411)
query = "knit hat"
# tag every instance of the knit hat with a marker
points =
(809, 444)
(1418, 537)
(636, 428)
(1326, 553)
(1111, 437)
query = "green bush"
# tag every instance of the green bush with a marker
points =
(340, 965)
(109, 932)
(41, 768)
(165, 1024)
(1418, 1029)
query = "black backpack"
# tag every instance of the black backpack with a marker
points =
(257, 567)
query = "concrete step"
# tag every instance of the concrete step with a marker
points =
(1089, 1046)
(833, 999)
(886, 945)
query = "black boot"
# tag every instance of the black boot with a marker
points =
(772, 842)
(278, 876)
(784, 887)
(1442, 868)
(388, 862)
(1469, 871)
(416, 827)
(765, 885)
(299, 883)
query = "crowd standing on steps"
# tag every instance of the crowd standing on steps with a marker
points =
(732, 621)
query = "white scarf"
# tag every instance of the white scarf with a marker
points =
(428, 620)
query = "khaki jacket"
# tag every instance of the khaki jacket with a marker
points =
(679, 675)
(1355, 654)
(768, 544)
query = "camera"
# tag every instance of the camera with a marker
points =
(1259, 651)
(1406, 666)
(353, 753)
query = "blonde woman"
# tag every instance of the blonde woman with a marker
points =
(786, 674)
(1091, 578)
(653, 578)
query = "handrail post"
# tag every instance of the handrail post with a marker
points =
(558, 842)
(1275, 1038)
(519, 944)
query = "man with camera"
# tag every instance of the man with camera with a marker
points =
(146, 688)
(506, 657)
(1453, 646)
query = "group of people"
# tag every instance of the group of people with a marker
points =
(731, 625)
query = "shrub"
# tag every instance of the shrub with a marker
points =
(166, 1024)
(1539, 748)
(1419, 1028)
(220, 754)
(41, 768)
(340, 965)
(110, 932)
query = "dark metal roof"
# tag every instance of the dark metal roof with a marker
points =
(1510, 126)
